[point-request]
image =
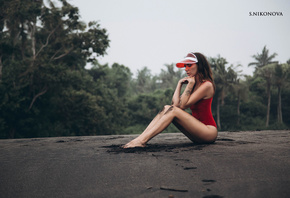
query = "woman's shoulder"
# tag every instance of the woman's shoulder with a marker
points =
(208, 88)
(207, 83)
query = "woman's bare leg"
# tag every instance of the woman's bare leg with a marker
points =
(136, 142)
(191, 127)
(155, 120)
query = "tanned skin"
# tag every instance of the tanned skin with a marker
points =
(174, 113)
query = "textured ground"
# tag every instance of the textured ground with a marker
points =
(239, 164)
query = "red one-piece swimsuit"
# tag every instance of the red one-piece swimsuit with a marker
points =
(202, 111)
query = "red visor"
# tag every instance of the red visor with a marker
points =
(189, 59)
(182, 63)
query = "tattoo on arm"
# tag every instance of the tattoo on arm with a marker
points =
(187, 93)
(189, 90)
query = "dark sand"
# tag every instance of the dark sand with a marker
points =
(239, 164)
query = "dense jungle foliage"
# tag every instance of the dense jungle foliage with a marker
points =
(46, 90)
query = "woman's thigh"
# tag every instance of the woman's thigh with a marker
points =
(193, 128)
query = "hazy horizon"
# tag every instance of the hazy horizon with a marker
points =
(154, 32)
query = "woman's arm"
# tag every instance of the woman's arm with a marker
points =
(176, 95)
(178, 100)
(187, 92)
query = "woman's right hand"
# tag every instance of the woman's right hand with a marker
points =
(183, 81)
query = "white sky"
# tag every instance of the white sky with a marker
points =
(156, 32)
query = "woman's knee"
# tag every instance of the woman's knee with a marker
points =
(165, 109)
(168, 108)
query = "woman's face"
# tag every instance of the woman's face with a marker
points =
(191, 69)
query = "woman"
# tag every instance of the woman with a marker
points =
(199, 127)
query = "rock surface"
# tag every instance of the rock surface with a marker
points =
(239, 164)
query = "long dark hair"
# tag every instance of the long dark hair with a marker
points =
(204, 69)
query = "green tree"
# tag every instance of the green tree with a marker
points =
(265, 69)
(112, 86)
(145, 82)
(117, 77)
(242, 91)
(263, 59)
(169, 77)
(223, 78)
(267, 73)
(281, 74)
(238, 87)
(44, 50)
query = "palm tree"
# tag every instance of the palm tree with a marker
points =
(267, 73)
(281, 74)
(237, 86)
(262, 59)
(223, 79)
(169, 77)
(241, 91)
(145, 82)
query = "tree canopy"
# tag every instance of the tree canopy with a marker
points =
(44, 85)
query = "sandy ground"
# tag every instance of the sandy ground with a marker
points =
(239, 164)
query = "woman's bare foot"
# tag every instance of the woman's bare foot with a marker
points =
(134, 143)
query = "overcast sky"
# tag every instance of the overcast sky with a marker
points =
(156, 32)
